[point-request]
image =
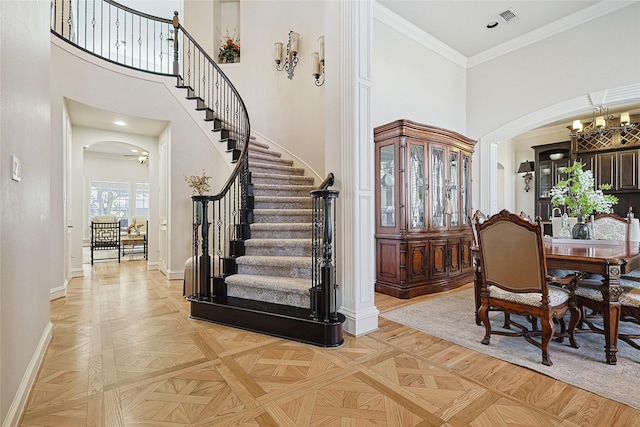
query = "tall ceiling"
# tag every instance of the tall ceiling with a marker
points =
(462, 25)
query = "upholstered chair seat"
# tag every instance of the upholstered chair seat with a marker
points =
(557, 296)
(514, 279)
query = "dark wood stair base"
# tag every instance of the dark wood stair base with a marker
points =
(292, 323)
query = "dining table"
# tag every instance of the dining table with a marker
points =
(608, 258)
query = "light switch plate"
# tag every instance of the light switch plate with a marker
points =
(16, 170)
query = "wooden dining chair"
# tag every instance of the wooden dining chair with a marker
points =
(609, 226)
(514, 278)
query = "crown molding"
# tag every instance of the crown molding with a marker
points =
(405, 27)
(588, 14)
(410, 30)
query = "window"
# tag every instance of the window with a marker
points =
(109, 198)
(142, 199)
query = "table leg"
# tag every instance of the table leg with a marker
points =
(611, 292)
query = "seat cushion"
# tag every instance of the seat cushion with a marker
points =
(105, 218)
(557, 296)
(590, 289)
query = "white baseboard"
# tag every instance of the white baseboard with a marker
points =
(28, 379)
(360, 323)
(77, 272)
(59, 292)
(175, 275)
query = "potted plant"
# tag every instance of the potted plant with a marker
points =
(581, 197)
(229, 51)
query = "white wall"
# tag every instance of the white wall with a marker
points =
(74, 75)
(591, 57)
(98, 166)
(288, 112)
(30, 229)
(413, 82)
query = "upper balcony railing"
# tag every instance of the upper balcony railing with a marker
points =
(116, 33)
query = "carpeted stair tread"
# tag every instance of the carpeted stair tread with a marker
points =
(285, 266)
(281, 169)
(295, 226)
(260, 151)
(280, 242)
(289, 284)
(280, 202)
(257, 144)
(278, 179)
(281, 215)
(258, 158)
(293, 261)
(259, 190)
(275, 289)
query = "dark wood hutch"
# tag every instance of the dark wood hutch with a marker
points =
(423, 206)
(612, 156)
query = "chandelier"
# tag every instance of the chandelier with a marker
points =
(600, 124)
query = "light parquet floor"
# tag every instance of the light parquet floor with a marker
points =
(125, 353)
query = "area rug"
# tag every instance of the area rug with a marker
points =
(451, 317)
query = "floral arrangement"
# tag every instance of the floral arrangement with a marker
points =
(198, 183)
(134, 227)
(580, 195)
(229, 51)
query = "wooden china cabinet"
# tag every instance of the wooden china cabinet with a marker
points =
(423, 205)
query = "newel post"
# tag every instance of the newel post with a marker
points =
(176, 24)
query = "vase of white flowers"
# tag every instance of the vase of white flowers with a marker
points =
(581, 197)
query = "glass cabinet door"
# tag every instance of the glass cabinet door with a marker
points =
(452, 195)
(560, 167)
(544, 179)
(465, 185)
(437, 187)
(387, 186)
(416, 186)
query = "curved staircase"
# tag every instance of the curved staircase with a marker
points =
(263, 254)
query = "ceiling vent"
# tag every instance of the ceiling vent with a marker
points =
(508, 15)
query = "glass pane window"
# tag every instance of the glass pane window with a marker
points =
(142, 198)
(109, 198)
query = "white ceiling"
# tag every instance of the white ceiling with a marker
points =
(462, 25)
(87, 116)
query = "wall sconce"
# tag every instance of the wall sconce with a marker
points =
(318, 63)
(291, 58)
(526, 168)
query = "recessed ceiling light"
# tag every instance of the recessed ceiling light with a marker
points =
(492, 24)
(119, 123)
(133, 150)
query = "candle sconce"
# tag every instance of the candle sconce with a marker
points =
(318, 63)
(291, 56)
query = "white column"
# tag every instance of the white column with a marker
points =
(357, 196)
(485, 163)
